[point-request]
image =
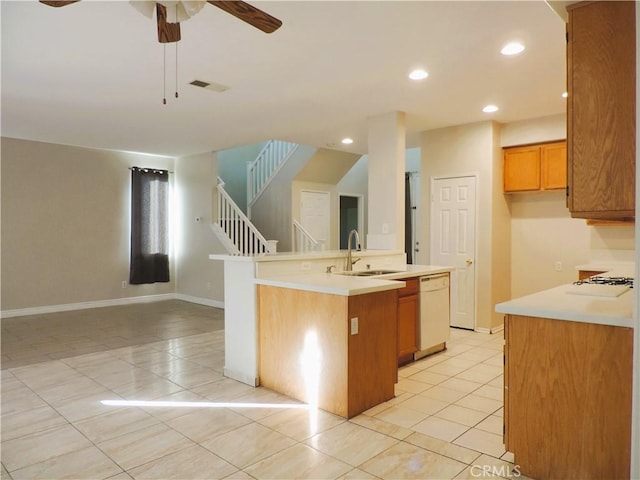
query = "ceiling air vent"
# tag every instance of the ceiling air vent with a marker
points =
(216, 87)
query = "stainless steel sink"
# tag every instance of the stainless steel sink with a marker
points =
(368, 273)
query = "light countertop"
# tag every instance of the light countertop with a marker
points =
(559, 303)
(347, 285)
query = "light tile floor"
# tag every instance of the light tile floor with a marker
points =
(445, 421)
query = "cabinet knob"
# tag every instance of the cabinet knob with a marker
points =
(469, 261)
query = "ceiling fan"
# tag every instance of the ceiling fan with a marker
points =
(170, 13)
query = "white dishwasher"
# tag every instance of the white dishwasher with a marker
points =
(434, 314)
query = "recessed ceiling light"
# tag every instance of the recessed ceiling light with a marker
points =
(512, 48)
(418, 74)
(490, 109)
(565, 94)
(347, 141)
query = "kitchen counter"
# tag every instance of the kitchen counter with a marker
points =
(557, 303)
(244, 275)
(350, 285)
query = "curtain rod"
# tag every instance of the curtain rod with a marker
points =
(145, 168)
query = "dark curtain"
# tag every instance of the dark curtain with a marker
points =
(408, 227)
(149, 226)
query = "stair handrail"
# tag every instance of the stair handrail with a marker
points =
(244, 235)
(261, 171)
(303, 241)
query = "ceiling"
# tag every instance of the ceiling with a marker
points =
(91, 74)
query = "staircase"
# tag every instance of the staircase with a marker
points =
(303, 241)
(266, 165)
(235, 230)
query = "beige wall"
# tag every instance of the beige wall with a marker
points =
(535, 130)
(65, 224)
(474, 150)
(543, 233)
(542, 230)
(199, 278)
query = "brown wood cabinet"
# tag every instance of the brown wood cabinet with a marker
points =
(535, 167)
(408, 316)
(310, 351)
(582, 274)
(567, 393)
(601, 109)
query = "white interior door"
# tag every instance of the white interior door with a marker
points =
(315, 211)
(453, 242)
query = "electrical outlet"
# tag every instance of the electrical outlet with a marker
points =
(385, 228)
(208, 285)
(305, 267)
(558, 266)
(354, 326)
(124, 284)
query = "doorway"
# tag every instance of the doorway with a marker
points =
(350, 218)
(453, 242)
(413, 212)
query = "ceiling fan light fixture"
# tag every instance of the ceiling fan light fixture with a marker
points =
(177, 10)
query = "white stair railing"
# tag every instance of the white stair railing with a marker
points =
(243, 237)
(303, 241)
(265, 166)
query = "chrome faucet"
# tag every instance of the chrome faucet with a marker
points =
(349, 263)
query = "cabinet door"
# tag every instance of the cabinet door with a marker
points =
(568, 398)
(522, 169)
(601, 109)
(554, 165)
(407, 326)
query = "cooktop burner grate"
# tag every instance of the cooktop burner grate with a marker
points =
(597, 280)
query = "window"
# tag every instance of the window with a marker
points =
(149, 226)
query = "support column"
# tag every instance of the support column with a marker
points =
(387, 150)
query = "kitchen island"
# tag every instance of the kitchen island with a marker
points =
(568, 381)
(330, 339)
(244, 276)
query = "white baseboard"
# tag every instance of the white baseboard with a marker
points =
(241, 377)
(497, 329)
(201, 301)
(21, 312)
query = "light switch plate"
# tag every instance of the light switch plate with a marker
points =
(354, 326)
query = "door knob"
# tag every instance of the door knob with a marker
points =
(469, 261)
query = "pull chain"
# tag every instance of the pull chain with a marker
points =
(164, 75)
(176, 69)
(176, 56)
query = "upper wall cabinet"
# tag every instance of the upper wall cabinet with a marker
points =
(535, 167)
(601, 109)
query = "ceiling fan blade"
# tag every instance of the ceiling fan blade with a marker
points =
(249, 14)
(58, 3)
(167, 32)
